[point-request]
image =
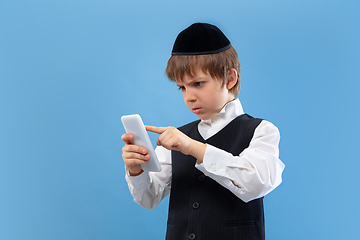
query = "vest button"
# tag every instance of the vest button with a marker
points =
(192, 236)
(202, 178)
(196, 205)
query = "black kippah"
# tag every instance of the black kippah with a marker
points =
(199, 39)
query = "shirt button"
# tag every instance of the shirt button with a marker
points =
(192, 236)
(213, 167)
(196, 205)
(202, 178)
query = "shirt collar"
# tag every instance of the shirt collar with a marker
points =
(230, 111)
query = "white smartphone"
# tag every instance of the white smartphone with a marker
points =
(133, 124)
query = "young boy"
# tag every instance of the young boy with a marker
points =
(217, 169)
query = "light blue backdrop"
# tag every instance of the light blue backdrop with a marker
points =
(70, 69)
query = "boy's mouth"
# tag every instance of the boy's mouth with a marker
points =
(196, 110)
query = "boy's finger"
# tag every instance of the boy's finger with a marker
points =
(127, 137)
(153, 129)
(135, 149)
(135, 156)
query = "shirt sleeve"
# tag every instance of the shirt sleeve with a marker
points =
(252, 174)
(149, 188)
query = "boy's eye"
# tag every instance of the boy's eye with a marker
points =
(198, 84)
(182, 88)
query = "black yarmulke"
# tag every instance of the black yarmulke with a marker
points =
(199, 39)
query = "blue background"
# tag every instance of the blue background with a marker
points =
(70, 69)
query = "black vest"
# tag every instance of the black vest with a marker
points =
(200, 208)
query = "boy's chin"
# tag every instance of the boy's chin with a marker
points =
(204, 117)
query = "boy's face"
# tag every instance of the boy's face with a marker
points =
(204, 95)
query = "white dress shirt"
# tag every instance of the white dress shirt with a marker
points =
(250, 175)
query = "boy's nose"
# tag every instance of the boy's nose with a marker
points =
(189, 97)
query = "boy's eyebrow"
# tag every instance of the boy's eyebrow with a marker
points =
(179, 83)
(190, 82)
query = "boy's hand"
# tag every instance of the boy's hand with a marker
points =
(173, 139)
(133, 155)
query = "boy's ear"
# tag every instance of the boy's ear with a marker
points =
(231, 79)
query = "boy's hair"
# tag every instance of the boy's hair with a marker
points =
(217, 65)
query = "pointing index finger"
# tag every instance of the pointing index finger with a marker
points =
(153, 129)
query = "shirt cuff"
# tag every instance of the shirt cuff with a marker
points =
(140, 180)
(214, 162)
